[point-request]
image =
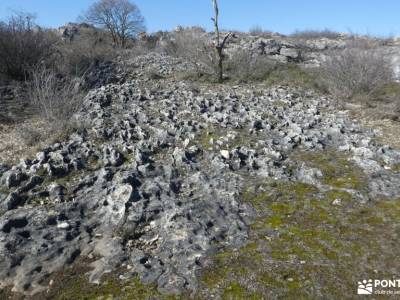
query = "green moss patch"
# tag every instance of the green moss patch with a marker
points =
(292, 75)
(388, 91)
(337, 169)
(236, 291)
(110, 288)
(308, 243)
(72, 283)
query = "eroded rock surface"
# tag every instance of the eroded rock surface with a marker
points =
(153, 181)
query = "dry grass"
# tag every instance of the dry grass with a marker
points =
(380, 112)
(14, 146)
(388, 129)
(25, 139)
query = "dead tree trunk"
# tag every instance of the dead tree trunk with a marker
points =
(219, 45)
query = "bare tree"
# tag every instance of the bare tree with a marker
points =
(122, 18)
(219, 44)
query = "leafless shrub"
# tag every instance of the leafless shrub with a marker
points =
(86, 50)
(256, 30)
(145, 45)
(259, 31)
(363, 43)
(195, 47)
(367, 42)
(315, 34)
(56, 99)
(245, 67)
(22, 45)
(355, 71)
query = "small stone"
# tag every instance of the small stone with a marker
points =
(337, 202)
(186, 143)
(225, 154)
(63, 225)
(258, 125)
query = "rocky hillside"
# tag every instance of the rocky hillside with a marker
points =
(200, 190)
(306, 51)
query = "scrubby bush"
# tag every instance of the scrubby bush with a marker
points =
(315, 34)
(256, 30)
(23, 45)
(259, 31)
(56, 98)
(84, 51)
(145, 44)
(196, 47)
(245, 67)
(355, 71)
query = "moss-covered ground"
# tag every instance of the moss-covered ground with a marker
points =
(72, 284)
(309, 243)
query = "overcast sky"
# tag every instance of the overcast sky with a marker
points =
(359, 16)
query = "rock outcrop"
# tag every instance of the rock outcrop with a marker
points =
(153, 180)
(70, 30)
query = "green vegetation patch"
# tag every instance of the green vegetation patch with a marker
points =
(337, 169)
(308, 243)
(72, 283)
(292, 75)
(388, 91)
(110, 288)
